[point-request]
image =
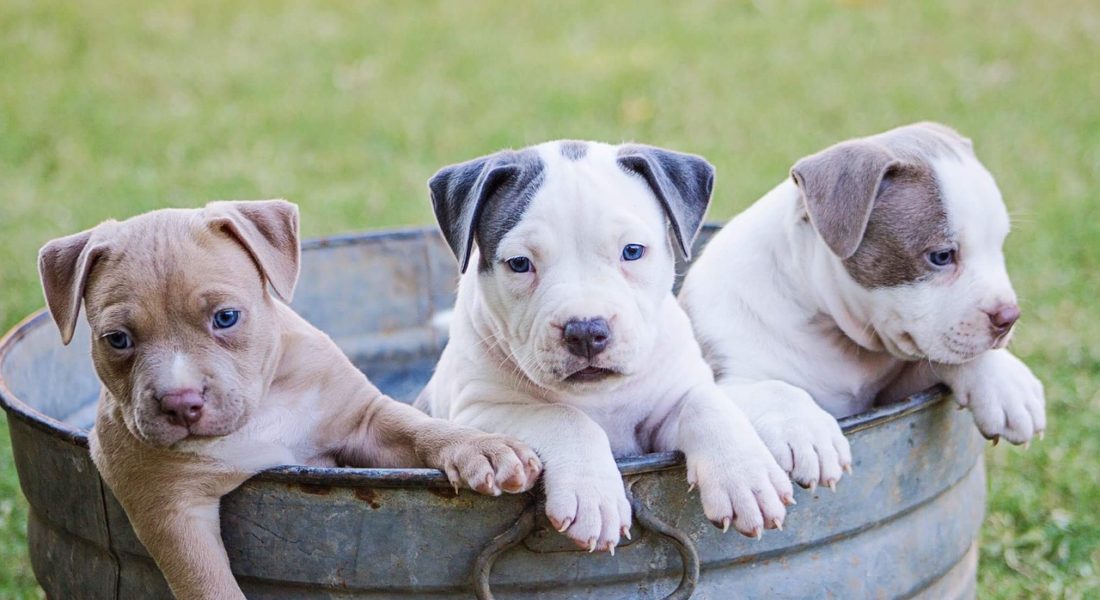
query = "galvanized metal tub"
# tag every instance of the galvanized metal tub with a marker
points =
(904, 525)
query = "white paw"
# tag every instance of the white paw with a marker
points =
(805, 440)
(587, 503)
(741, 484)
(1005, 398)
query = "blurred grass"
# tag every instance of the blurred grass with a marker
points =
(108, 109)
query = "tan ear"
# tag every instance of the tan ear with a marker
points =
(63, 267)
(268, 230)
(839, 185)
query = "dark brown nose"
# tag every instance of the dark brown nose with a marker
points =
(586, 337)
(1003, 317)
(183, 407)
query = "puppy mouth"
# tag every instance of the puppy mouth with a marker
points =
(590, 374)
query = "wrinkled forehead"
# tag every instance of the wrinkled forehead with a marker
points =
(584, 194)
(169, 262)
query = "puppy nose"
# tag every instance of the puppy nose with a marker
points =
(183, 407)
(586, 337)
(1003, 317)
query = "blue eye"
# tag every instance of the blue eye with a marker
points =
(224, 319)
(942, 258)
(633, 251)
(119, 340)
(519, 264)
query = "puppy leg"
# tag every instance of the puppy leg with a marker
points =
(585, 497)
(1001, 392)
(739, 480)
(805, 440)
(183, 535)
(392, 434)
(171, 499)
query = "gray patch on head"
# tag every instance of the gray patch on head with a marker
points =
(481, 194)
(503, 210)
(907, 220)
(923, 142)
(681, 182)
(876, 203)
(573, 150)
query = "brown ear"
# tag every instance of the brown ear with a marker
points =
(839, 185)
(268, 230)
(63, 267)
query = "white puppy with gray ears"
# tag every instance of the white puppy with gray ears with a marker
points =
(566, 333)
(875, 271)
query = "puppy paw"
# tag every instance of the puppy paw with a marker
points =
(489, 464)
(588, 506)
(805, 440)
(1005, 398)
(741, 485)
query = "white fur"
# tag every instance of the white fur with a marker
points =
(790, 333)
(505, 367)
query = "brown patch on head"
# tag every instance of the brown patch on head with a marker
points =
(907, 220)
(875, 201)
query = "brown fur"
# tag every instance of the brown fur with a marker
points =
(275, 389)
(876, 203)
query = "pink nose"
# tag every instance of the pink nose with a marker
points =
(1003, 317)
(183, 407)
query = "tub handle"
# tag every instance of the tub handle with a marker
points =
(525, 524)
(689, 556)
(483, 566)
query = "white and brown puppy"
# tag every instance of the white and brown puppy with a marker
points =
(208, 377)
(875, 271)
(566, 333)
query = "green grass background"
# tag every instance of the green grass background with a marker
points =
(108, 109)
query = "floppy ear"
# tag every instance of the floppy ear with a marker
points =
(459, 193)
(268, 230)
(63, 267)
(682, 183)
(839, 185)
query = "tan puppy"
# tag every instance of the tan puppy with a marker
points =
(208, 378)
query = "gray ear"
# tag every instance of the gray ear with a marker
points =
(268, 230)
(682, 183)
(460, 192)
(63, 267)
(839, 185)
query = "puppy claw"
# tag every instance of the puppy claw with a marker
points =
(996, 439)
(813, 487)
(565, 525)
(725, 524)
(758, 534)
(832, 486)
(847, 468)
(591, 545)
(611, 549)
(625, 531)
(691, 486)
(777, 523)
(789, 501)
(1042, 434)
(1027, 444)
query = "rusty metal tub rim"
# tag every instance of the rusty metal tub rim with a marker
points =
(399, 478)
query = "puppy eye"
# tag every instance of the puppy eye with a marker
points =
(119, 340)
(224, 319)
(519, 264)
(942, 257)
(633, 251)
